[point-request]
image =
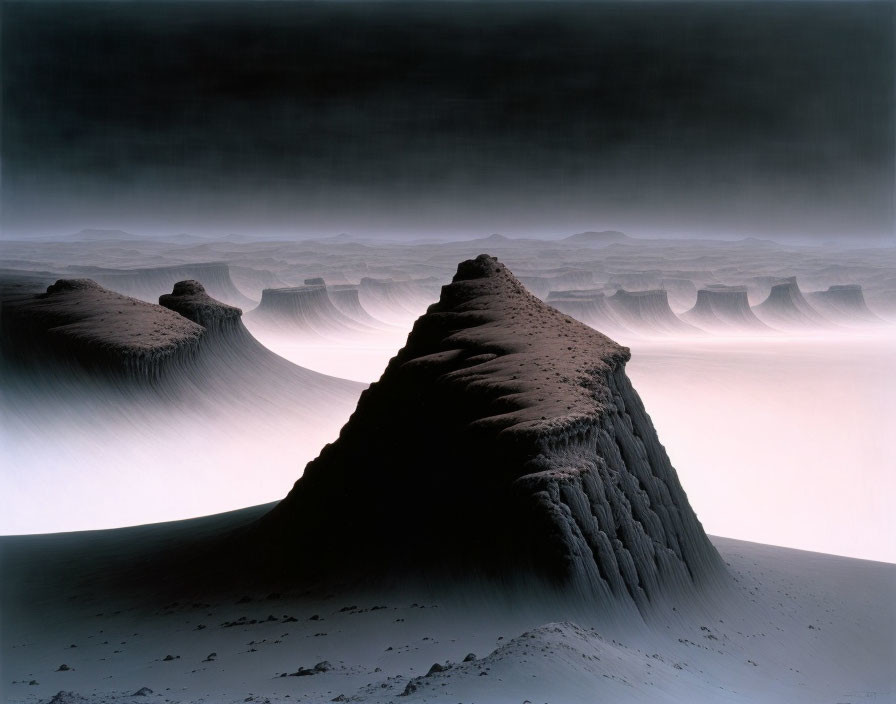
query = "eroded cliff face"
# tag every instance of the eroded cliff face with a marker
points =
(79, 324)
(724, 308)
(504, 437)
(785, 307)
(844, 303)
(303, 309)
(189, 299)
(648, 312)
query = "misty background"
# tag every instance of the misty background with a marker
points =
(378, 118)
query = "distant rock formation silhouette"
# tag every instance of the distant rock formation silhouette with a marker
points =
(394, 302)
(636, 280)
(682, 292)
(589, 307)
(504, 438)
(843, 303)
(254, 281)
(786, 308)
(305, 310)
(148, 284)
(648, 313)
(542, 282)
(346, 298)
(724, 309)
(597, 239)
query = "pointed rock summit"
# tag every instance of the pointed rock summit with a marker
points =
(504, 438)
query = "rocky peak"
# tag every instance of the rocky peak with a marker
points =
(503, 438)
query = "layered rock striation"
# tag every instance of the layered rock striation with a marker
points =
(394, 302)
(724, 309)
(648, 313)
(346, 298)
(190, 299)
(504, 438)
(589, 307)
(786, 307)
(148, 284)
(190, 346)
(306, 310)
(78, 323)
(844, 303)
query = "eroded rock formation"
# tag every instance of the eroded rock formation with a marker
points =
(78, 322)
(786, 308)
(190, 300)
(148, 284)
(589, 307)
(844, 303)
(724, 309)
(504, 437)
(305, 309)
(648, 313)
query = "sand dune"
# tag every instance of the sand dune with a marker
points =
(798, 627)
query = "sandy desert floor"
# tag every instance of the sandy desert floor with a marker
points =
(777, 637)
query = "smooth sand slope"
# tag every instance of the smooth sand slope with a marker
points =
(799, 627)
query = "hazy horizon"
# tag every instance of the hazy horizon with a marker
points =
(403, 120)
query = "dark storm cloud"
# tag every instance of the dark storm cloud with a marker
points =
(375, 116)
